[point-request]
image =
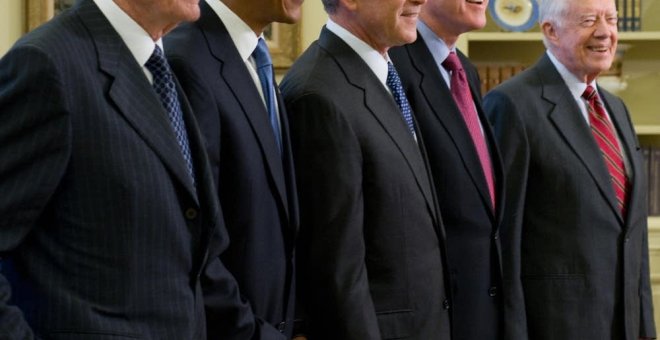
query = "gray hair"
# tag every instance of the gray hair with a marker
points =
(330, 6)
(552, 11)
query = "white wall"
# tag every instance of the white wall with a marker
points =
(12, 22)
(313, 18)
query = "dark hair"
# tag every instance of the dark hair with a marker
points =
(330, 5)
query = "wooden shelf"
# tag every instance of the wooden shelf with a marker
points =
(504, 36)
(537, 36)
(647, 129)
(654, 223)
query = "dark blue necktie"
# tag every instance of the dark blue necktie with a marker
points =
(394, 83)
(164, 87)
(265, 71)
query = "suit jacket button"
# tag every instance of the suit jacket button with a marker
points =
(445, 304)
(191, 213)
(492, 291)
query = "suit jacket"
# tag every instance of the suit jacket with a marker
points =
(371, 237)
(104, 235)
(575, 269)
(471, 224)
(255, 182)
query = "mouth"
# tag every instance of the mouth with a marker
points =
(476, 2)
(599, 49)
(410, 14)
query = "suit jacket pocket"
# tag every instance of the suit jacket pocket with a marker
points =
(395, 324)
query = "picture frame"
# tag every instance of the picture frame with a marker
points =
(284, 40)
(40, 11)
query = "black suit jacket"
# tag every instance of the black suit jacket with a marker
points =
(371, 238)
(103, 234)
(471, 224)
(575, 268)
(255, 182)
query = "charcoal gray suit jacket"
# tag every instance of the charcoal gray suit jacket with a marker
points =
(372, 241)
(574, 267)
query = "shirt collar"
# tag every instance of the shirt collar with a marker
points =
(241, 34)
(439, 48)
(137, 40)
(574, 85)
(371, 57)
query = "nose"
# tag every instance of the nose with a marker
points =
(603, 28)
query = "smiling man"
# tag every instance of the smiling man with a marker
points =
(576, 219)
(224, 67)
(371, 236)
(444, 91)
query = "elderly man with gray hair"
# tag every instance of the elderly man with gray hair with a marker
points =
(576, 243)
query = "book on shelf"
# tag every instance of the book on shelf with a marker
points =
(652, 162)
(630, 15)
(492, 74)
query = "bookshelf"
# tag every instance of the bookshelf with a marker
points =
(640, 71)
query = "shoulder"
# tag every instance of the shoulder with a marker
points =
(187, 40)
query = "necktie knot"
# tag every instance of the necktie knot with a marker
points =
(589, 93)
(264, 65)
(261, 55)
(157, 64)
(452, 63)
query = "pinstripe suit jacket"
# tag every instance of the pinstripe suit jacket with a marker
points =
(102, 234)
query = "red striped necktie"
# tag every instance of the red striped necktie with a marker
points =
(605, 137)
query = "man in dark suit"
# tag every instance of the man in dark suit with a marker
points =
(464, 160)
(371, 236)
(576, 189)
(215, 60)
(110, 226)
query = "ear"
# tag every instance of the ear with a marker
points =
(549, 30)
(350, 5)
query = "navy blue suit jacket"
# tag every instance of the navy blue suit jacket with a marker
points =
(255, 182)
(472, 226)
(104, 235)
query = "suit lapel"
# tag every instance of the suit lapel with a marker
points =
(567, 119)
(133, 95)
(246, 94)
(381, 104)
(437, 94)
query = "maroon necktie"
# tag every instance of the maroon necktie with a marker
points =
(463, 98)
(603, 132)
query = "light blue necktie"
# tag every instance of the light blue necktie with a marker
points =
(394, 83)
(265, 71)
(164, 87)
